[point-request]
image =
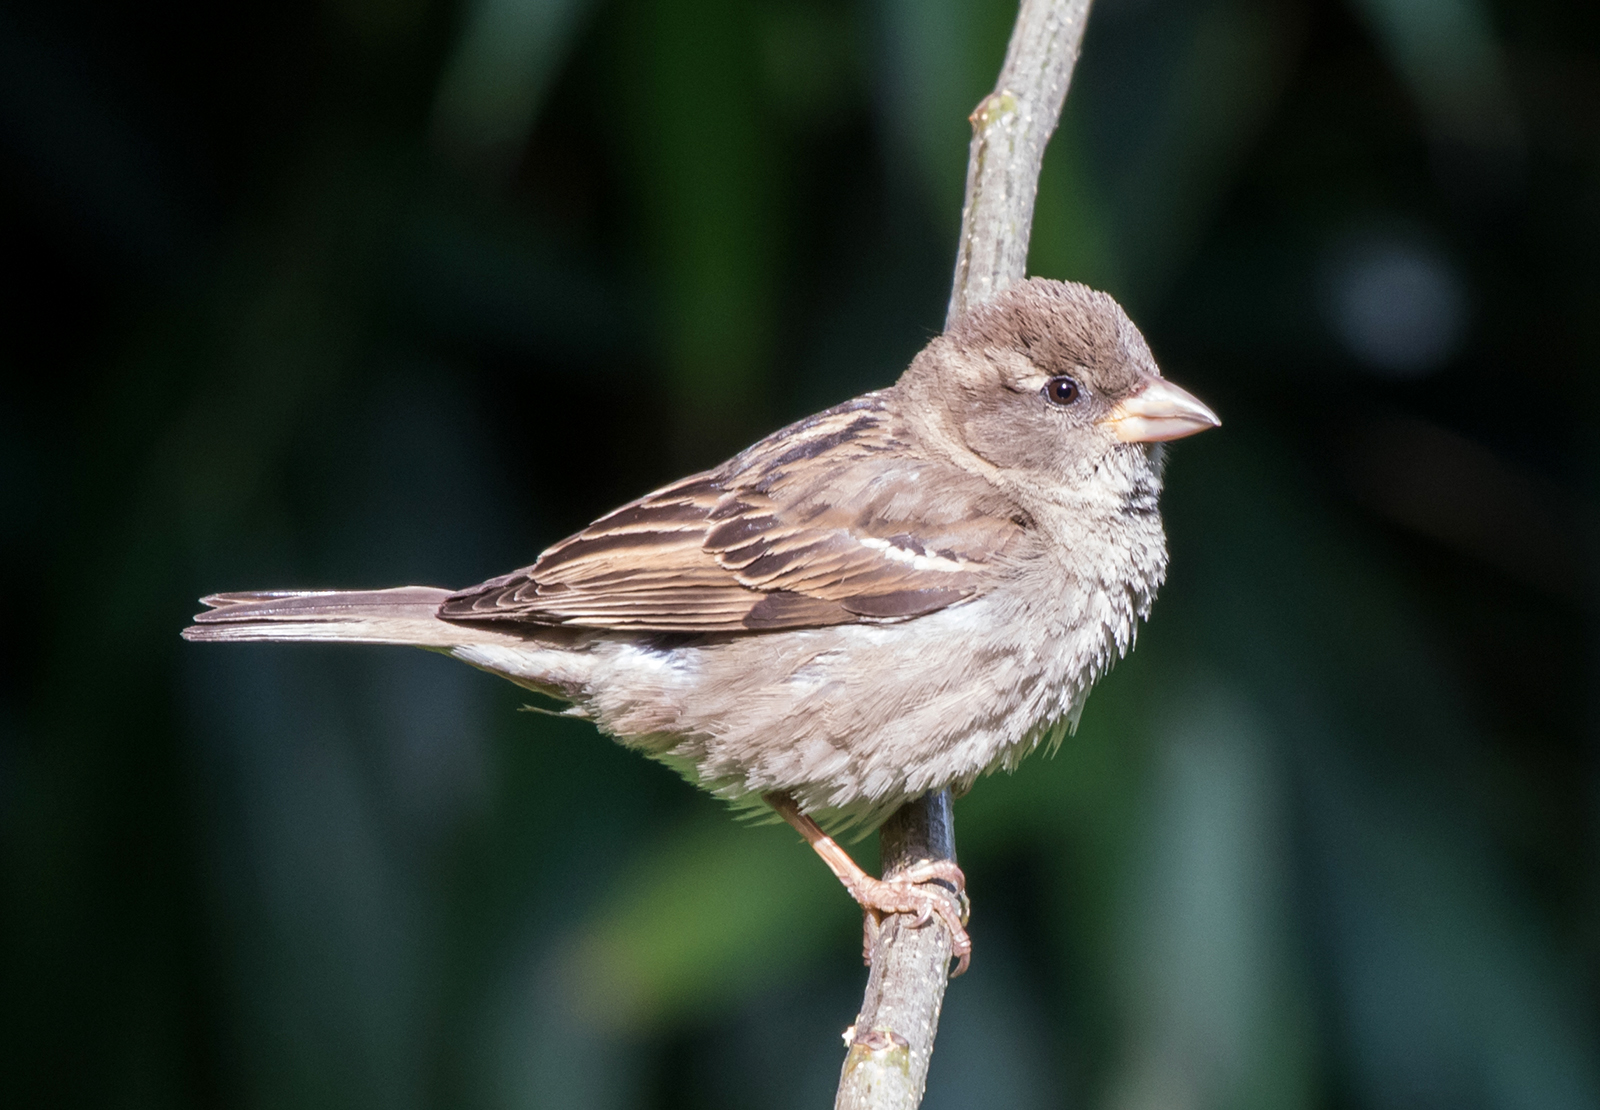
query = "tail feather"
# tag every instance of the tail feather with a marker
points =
(405, 615)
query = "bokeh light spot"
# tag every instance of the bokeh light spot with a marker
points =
(1398, 306)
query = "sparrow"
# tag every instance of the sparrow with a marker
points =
(892, 597)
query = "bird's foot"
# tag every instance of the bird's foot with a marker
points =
(930, 889)
(933, 888)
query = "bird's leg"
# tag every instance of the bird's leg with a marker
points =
(933, 888)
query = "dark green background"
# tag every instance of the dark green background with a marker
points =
(361, 293)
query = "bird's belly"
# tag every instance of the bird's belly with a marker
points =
(856, 718)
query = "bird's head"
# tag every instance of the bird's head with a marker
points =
(1051, 382)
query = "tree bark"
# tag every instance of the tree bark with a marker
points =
(891, 1043)
(892, 1040)
(1010, 128)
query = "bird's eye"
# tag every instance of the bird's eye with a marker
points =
(1061, 390)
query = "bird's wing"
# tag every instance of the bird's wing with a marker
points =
(833, 520)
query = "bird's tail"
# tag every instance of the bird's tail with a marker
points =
(406, 615)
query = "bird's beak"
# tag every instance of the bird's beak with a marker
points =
(1159, 411)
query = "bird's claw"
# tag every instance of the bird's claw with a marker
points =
(945, 873)
(934, 888)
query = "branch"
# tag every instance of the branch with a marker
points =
(891, 1043)
(1010, 128)
(892, 1039)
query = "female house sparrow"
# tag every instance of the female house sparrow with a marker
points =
(888, 598)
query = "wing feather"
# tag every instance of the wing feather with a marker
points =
(836, 519)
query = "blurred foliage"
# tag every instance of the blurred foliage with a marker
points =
(366, 292)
